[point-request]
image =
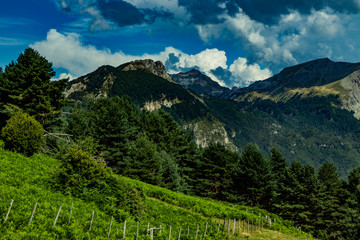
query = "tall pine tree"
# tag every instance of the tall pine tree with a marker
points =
(26, 84)
(253, 178)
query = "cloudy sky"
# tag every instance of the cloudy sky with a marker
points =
(235, 42)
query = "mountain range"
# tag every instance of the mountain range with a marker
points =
(309, 112)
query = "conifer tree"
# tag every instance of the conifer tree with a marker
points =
(216, 172)
(26, 84)
(254, 180)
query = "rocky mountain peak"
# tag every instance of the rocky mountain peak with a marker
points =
(156, 68)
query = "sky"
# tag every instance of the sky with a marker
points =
(235, 42)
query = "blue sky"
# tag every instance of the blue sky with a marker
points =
(235, 42)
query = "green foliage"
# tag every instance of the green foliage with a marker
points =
(148, 146)
(216, 172)
(254, 174)
(79, 169)
(26, 84)
(23, 134)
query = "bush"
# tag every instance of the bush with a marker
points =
(23, 134)
(80, 168)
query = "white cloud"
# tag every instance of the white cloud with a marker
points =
(68, 52)
(294, 38)
(245, 73)
(65, 76)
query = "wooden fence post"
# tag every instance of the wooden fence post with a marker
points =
(137, 230)
(179, 233)
(70, 212)
(205, 229)
(188, 231)
(197, 230)
(211, 225)
(160, 230)
(169, 232)
(57, 215)
(32, 214)
(110, 227)
(124, 232)
(91, 221)
(224, 224)
(8, 212)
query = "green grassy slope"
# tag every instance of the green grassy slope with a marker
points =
(29, 180)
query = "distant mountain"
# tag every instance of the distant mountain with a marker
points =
(306, 111)
(200, 83)
(321, 77)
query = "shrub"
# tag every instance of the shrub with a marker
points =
(80, 168)
(23, 134)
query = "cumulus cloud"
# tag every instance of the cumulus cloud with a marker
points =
(295, 38)
(67, 51)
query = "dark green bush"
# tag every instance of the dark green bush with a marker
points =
(23, 134)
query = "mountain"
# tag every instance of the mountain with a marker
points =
(200, 83)
(321, 77)
(306, 111)
(156, 68)
(151, 92)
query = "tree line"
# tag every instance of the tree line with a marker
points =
(152, 147)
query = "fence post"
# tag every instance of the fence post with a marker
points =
(218, 226)
(124, 232)
(188, 231)
(70, 212)
(159, 230)
(211, 225)
(57, 215)
(91, 221)
(137, 230)
(179, 234)
(197, 230)
(205, 229)
(224, 224)
(32, 214)
(8, 212)
(110, 227)
(169, 232)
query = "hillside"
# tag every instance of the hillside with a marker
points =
(31, 180)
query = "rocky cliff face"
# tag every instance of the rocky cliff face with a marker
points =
(351, 96)
(199, 83)
(157, 68)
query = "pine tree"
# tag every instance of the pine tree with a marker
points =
(331, 194)
(143, 162)
(253, 178)
(216, 172)
(26, 84)
(278, 167)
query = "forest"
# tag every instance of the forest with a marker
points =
(96, 137)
